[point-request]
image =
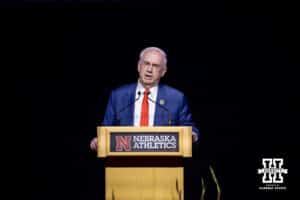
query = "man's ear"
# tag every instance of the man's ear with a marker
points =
(139, 67)
(164, 72)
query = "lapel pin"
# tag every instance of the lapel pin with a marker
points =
(162, 102)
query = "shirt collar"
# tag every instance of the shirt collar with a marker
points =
(140, 87)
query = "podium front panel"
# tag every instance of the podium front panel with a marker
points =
(145, 141)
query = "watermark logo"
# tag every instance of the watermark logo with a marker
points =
(272, 172)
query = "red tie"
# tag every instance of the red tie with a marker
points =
(145, 109)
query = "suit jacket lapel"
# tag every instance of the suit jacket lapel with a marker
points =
(160, 116)
(131, 94)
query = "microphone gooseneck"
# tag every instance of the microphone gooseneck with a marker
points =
(164, 107)
(125, 107)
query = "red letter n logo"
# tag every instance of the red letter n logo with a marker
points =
(123, 143)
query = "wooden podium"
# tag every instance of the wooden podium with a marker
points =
(144, 163)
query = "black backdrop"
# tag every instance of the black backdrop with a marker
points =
(236, 62)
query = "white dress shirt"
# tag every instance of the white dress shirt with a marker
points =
(138, 104)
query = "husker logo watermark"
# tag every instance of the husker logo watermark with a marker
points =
(272, 171)
(145, 142)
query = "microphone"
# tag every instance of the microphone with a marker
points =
(161, 104)
(125, 107)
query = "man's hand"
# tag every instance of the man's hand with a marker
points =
(94, 144)
(195, 137)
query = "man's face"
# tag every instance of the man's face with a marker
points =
(151, 68)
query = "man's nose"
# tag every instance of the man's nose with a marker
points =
(149, 68)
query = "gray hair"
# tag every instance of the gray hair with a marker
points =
(157, 50)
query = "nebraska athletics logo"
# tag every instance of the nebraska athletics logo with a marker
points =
(123, 143)
(144, 142)
(272, 173)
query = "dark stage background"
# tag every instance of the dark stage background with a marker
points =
(236, 62)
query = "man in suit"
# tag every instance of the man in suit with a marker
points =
(148, 102)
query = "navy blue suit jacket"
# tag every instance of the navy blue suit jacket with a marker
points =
(120, 107)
